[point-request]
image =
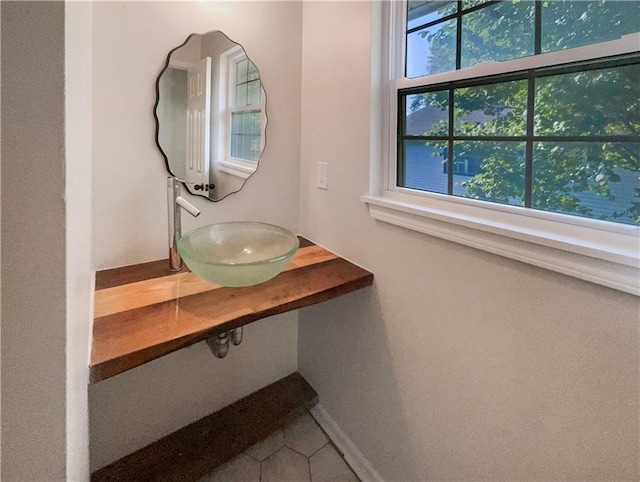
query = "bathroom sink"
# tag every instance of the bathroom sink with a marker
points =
(237, 253)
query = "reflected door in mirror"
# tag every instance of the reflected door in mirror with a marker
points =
(198, 122)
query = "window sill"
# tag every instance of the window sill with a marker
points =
(577, 248)
(237, 167)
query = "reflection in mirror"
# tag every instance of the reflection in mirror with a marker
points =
(210, 115)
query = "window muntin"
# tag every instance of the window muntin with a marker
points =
(527, 115)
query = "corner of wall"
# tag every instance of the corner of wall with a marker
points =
(78, 216)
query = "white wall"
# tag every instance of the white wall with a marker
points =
(457, 364)
(130, 44)
(79, 277)
(33, 242)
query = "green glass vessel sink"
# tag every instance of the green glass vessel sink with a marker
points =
(238, 253)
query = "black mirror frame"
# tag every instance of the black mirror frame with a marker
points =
(157, 121)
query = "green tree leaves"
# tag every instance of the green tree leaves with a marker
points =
(586, 124)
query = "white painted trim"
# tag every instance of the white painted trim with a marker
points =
(352, 455)
(597, 262)
(624, 45)
(180, 64)
(601, 252)
(237, 167)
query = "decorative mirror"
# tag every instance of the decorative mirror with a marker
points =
(210, 115)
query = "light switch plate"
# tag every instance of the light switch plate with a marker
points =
(323, 175)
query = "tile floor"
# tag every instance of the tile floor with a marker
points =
(300, 452)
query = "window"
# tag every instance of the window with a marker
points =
(242, 119)
(246, 111)
(518, 119)
(561, 138)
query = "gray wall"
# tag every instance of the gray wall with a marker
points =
(46, 256)
(33, 241)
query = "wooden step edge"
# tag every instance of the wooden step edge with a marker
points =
(197, 449)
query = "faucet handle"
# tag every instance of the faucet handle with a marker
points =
(187, 206)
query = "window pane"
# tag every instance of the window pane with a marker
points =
(427, 114)
(500, 31)
(568, 24)
(247, 123)
(491, 110)
(422, 12)
(423, 166)
(235, 145)
(241, 95)
(472, 3)
(246, 147)
(497, 171)
(236, 123)
(597, 102)
(255, 148)
(253, 92)
(590, 179)
(252, 73)
(432, 50)
(241, 71)
(257, 118)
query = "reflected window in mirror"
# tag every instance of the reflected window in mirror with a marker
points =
(242, 118)
(211, 115)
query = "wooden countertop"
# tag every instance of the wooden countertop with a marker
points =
(144, 311)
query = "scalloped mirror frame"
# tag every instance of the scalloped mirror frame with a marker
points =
(226, 173)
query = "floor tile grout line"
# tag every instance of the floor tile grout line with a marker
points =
(307, 457)
(298, 452)
(334, 446)
(327, 443)
(249, 455)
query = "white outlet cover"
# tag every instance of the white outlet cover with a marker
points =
(323, 175)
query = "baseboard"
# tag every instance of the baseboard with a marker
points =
(352, 455)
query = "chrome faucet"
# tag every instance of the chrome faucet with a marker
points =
(174, 202)
(220, 343)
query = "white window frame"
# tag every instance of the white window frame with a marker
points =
(601, 252)
(242, 168)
